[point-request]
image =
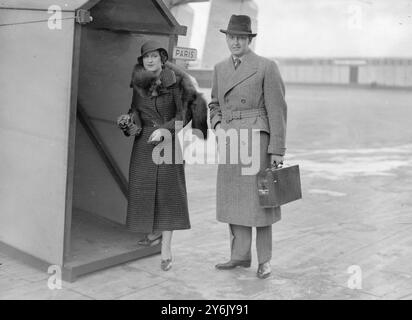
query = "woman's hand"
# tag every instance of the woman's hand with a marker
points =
(123, 121)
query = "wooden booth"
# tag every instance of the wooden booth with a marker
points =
(64, 80)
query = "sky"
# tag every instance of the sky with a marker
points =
(326, 28)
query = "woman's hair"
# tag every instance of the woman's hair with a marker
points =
(163, 57)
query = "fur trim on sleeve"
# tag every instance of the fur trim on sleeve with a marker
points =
(193, 100)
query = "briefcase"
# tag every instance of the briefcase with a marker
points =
(278, 186)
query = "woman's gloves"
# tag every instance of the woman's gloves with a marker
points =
(126, 123)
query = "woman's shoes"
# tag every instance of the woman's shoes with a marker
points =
(166, 265)
(147, 242)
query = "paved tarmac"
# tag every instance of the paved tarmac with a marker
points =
(350, 237)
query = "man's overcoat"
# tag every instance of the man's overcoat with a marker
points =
(250, 97)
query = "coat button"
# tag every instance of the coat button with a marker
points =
(243, 100)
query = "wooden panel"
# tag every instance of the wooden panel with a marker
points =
(94, 188)
(144, 16)
(71, 137)
(35, 82)
(102, 149)
(97, 244)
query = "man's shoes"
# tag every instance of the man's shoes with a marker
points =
(264, 270)
(231, 264)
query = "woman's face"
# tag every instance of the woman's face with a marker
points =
(152, 61)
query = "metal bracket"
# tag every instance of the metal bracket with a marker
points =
(83, 16)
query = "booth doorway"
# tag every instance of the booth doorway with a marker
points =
(96, 236)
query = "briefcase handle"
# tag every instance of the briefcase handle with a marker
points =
(277, 166)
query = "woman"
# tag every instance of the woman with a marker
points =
(157, 199)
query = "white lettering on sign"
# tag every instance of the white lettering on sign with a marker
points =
(184, 53)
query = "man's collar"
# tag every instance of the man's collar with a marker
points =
(242, 57)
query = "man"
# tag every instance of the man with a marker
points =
(247, 93)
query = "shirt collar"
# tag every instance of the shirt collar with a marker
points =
(234, 58)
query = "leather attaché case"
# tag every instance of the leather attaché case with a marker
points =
(278, 186)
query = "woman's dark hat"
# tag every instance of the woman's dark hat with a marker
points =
(151, 45)
(239, 25)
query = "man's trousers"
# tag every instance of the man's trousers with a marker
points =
(241, 243)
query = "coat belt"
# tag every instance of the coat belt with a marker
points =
(240, 114)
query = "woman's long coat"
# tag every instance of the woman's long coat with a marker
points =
(255, 85)
(157, 198)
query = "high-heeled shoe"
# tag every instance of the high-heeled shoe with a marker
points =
(166, 265)
(150, 242)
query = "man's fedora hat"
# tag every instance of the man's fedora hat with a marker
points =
(239, 25)
(151, 45)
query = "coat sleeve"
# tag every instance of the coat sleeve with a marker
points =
(214, 106)
(274, 96)
(191, 106)
(134, 113)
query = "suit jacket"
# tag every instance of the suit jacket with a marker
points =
(255, 84)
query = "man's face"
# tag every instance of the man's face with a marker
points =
(238, 45)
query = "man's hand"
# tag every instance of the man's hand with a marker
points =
(276, 159)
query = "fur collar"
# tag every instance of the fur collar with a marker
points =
(147, 84)
(191, 105)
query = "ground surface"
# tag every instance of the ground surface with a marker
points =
(354, 148)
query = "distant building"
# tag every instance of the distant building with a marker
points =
(214, 48)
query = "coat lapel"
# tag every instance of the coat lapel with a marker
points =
(246, 69)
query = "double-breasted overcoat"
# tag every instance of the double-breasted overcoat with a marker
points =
(250, 97)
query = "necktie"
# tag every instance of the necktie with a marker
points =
(236, 62)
